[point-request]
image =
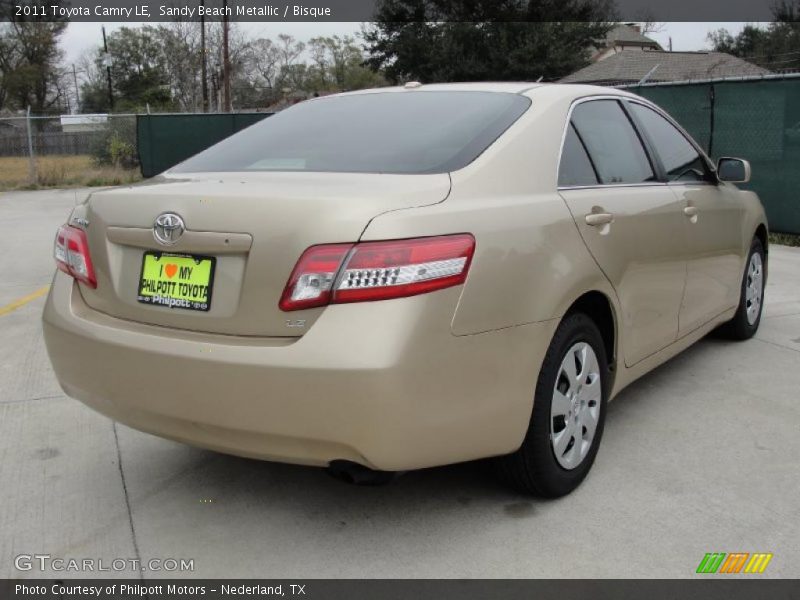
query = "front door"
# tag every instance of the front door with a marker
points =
(712, 218)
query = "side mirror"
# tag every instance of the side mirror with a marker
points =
(733, 170)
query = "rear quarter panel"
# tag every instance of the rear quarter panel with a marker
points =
(530, 263)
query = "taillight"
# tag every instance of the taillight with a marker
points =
(339, 273)
(72, 254)
(311, 281)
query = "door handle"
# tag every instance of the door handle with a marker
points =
(690, 211)
(597, 219)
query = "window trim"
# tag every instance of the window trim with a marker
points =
(652, 156)
(618, 99)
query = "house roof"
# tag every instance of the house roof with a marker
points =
(631, 67)
(627, 35)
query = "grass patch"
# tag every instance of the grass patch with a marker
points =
(784, 239)
(62, 171)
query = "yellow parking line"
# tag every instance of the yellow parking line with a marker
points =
(23, 301)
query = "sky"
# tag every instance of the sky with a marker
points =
(80, 37)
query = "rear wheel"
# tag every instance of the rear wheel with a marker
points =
(751, 300)
(568, 413)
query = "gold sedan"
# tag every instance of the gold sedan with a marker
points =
(401, 278)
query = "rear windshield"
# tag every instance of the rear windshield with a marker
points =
(398, 132)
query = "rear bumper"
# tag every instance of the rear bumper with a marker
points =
(383, 384)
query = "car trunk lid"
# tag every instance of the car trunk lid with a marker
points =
(254, 225)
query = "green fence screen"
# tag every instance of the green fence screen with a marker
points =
(758, 120)
(165, 140)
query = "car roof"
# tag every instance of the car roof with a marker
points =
(527, 88)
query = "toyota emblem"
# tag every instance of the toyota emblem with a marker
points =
(168, 229)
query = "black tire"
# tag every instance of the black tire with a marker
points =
(534, 469)
(740, 328)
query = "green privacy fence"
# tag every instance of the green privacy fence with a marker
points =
(758, 120)
(165, 140)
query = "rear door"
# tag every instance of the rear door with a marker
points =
(631, 221)
(712, 221)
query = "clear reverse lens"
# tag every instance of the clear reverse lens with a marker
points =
(71, 251)
(311, 280)
(311, 286)
(77, 262)
(60, 249)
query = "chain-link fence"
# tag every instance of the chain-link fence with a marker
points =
(69, 149)
(106, 149)
(753, 118)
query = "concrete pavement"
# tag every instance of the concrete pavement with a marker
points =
(699, 456)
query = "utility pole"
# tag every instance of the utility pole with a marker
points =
(226, 58)
(203, 68)
(77, 92)
(107, 62)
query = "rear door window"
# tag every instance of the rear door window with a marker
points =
(612, 143)
(575, 168)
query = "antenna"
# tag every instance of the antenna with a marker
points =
(646, 77)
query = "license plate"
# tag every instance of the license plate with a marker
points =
(177, 280)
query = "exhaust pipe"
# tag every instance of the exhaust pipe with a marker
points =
(356, 474)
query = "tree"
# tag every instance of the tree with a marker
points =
(30, 73)
(291, 73)
(179, 44)
(94, 90)
(160, 66)
(139, 73)
(263, 61)
(138, 69)
(338, 64)
(289, 49)
(274, 65)
(243, 90)
(775, 47)
(466, 40)
(745, 44)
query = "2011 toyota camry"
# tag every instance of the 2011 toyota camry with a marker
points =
(400, 278)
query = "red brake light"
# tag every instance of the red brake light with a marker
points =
(342, 273)
(72, 254)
